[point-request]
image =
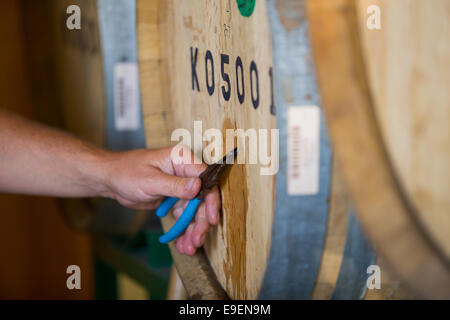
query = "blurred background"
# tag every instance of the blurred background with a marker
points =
(36, 245)
(41, 236)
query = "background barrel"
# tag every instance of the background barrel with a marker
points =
(386, 92)
(92, 63)
(249, 65)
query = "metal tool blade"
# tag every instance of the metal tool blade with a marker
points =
(211, 176)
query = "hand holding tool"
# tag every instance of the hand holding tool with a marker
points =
(210, 178)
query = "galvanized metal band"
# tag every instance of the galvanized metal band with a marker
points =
(300, 222)
(358, 255)
(119, 44)
(117, 19)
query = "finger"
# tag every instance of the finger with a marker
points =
(190, 166)
(177, 212)
(201, 211)
(179, 208)
(173, 186)
(213, 205)
(182, 203)
(139, 205)
(189, 170)
(179, 160)
(188, 246)
(201, 227)
(180, 241)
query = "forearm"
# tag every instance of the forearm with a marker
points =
(38, 160)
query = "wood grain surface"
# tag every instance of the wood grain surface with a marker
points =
(360, 135)
(239, 247)
(407, 68)
(78, 58)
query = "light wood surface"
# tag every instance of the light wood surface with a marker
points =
(360, 132)
(196, 273)
(176, 289)
(79, 87)
(239, 247)
(78, 58)
(336, 236)
(151, 28)
(407, 68)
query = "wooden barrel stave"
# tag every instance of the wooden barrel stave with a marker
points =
(335, 240)
(79, 55)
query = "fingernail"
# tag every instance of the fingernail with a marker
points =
(190, 184)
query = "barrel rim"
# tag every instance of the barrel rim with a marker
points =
(350, 112)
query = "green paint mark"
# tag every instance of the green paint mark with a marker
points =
(246, 7)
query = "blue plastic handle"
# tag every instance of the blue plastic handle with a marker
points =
(182, 223)
(165, 206)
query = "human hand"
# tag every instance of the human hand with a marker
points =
(141, 179)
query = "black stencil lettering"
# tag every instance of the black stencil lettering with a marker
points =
(224, 59)
(241, 95)
(254, 70)
(209, 57)
(272, 104)
(194, 69)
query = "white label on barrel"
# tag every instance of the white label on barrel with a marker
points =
(126, 96)
(303, 150)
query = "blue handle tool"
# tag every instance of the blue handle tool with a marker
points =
(182, 223)
(165, 206)
(210, 178)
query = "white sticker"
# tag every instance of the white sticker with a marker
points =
(303, 150)
(126, 96)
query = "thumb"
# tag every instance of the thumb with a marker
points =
(179, 187)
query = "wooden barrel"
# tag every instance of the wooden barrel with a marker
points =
(92, 63)
(248, 65)
(383, 74)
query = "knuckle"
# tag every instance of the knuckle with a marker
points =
(174, 188)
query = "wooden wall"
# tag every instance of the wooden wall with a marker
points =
(36, 245)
